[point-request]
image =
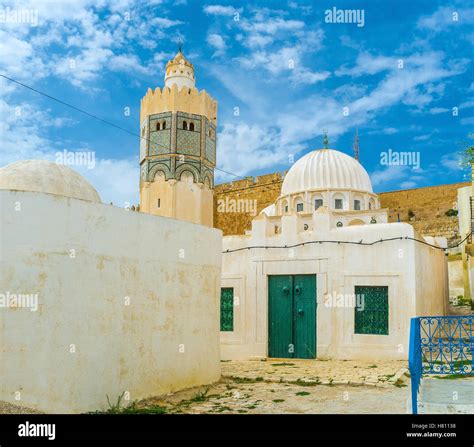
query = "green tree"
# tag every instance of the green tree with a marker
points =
(468, 152)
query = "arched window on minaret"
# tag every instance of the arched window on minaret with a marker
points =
(191, 126)
(164, 125)
(185, 125)
(158, 126)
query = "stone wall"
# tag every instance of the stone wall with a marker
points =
(244, 194)
(428, 205)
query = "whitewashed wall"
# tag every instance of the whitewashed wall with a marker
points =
(86, 261)
(404, 266)
(464, 219)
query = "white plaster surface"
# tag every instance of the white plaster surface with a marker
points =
(86, 261)
(416, 275)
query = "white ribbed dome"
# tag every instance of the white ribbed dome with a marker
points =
(326, 169)
(47, 177)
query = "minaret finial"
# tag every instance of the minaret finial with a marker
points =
(179, 41)
(325, 140)
(356, 145)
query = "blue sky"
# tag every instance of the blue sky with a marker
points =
(288, 71)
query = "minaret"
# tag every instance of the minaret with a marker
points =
(178, 147)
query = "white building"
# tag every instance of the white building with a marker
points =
(97, 301)
(304, 283)
(466, 221)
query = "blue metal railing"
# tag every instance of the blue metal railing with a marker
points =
(439, 345)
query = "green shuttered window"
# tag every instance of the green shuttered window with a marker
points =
(373, 319)
(227, 309)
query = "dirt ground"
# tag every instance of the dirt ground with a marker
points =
(295, 386)
(286, 386)
(229, 396)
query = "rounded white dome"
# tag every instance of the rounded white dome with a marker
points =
(326, 169)
(47, 177)
(270, 210)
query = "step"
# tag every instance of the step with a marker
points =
(446, 396)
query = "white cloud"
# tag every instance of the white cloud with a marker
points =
(284, 61)
(165, 23)
(218, 43)
(295, 120)
(23, 129)
(252, 147)
(220, 10)
(261, 24)
(422, 137)
(389, 174)
(410, 84)
(467, 121)
(437, 110)
(445, 17)
(18, 58)
(467, 104)
(384, 131)
(367, 64)
(116, 180)
(451, 161)
(80, 41)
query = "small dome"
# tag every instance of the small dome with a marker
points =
(179, 71)
(179, 59)
(326, 169)
(47, 177)
(270, 210)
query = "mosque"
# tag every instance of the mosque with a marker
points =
(321, 274)
(146, 303)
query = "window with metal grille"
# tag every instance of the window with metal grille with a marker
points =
(338, 204)
(318, 203)
(227, 309)
(357, 204)
(371, 310)
(299, 207)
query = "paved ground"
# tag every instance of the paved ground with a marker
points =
(6, 408)
(443, 395)
(296, 386)
(460, 310)
(330, 372)
(289, 386)
(229, 396)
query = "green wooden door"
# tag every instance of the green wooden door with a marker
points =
(280, 311)
(304, 287)
(292, 316)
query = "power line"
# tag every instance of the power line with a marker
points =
(360, 243)
(98, 118)
(85, 112)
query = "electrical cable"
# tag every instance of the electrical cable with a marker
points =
(349, 243)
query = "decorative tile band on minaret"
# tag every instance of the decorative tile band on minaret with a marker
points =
(178, 147)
